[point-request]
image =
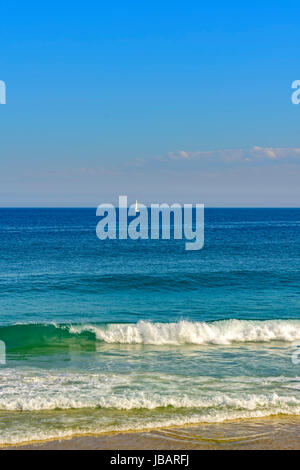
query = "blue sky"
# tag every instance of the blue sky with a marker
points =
(162, 101)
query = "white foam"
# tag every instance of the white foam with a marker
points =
(100, 402)
(36, 390)
(224, 332)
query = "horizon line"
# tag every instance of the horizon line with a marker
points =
(149, 206)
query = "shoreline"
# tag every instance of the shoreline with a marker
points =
(274, 432)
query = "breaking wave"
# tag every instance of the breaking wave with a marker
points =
(222, 332)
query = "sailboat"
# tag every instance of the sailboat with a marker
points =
(136, 207)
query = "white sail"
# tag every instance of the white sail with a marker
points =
(136, 206)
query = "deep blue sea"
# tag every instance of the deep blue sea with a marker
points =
(124, 335)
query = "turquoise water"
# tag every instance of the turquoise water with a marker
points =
(129, 334)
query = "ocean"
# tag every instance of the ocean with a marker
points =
(133, 335)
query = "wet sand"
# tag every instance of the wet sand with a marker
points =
(265, 433)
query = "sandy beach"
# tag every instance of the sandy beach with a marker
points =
(266, 433)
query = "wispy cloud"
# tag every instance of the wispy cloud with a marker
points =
(255, 153)
(257, 176)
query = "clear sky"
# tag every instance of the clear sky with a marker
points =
(159, 100)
